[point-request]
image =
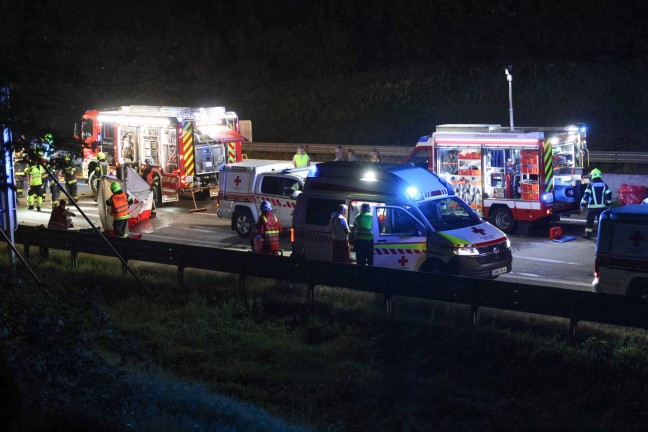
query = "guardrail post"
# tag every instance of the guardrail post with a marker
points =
(311, 294)
(180, 274)
(573, 330)
(43, 252)
(241, 287)
(388, 304)
(474, 310)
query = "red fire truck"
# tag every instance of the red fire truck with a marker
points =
(188, 145)
(511, 177)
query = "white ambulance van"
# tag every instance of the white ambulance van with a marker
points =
(621, 264)
(242, 186)
(418, 224)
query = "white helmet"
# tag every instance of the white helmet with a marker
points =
(148, 161)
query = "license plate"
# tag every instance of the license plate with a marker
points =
(498, 271)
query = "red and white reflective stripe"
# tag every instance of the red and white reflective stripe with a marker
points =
(277, 202)
(315, 237)
(386, 251)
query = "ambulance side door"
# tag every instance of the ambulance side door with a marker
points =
(399, 239)
(281, 191)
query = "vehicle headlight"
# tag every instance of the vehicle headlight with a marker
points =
(508, 243)
(465, 251)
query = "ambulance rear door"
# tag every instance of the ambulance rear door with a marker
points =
(399, 239)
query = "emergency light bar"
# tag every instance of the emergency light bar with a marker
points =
(133, 120)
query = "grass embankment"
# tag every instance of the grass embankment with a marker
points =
(341, 366)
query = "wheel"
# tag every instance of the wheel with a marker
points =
(243, 223)
(503, 219)
(638, 291)
(93, 181)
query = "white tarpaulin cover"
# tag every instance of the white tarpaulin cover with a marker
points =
(136, 187)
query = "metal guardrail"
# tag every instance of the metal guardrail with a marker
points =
(574, 305)
(399, 153)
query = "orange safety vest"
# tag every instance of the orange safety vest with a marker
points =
(270, 231)
(119, 208)
(149, 177)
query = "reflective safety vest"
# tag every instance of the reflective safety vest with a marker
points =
(362, 226)
(153, 178)
(597, 195)
(36, 175)
(119, 208)
(301, 160)
(270, 230)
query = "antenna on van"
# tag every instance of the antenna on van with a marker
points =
(509, 77)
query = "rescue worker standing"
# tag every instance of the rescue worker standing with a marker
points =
(340, 235)
(70, 178)
(100, 169)
(61, 218)
(118, 203)
(363, 236)
(301, 158)
(269, 228)
(152, 177)
(597, 197)
(36, 193)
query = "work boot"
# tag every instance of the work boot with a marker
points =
(38, 208)
(31, 207)
(587, 236)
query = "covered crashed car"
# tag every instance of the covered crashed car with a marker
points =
(137, 188)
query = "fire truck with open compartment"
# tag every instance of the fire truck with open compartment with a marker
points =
(512, 177)
(188, 145)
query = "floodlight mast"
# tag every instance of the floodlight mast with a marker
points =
(509, 77)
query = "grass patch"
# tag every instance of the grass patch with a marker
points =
(342, 365)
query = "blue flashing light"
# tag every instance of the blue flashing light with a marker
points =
(413, 193)
(313, 171)
(424, 138)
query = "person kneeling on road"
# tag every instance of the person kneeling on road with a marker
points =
(118, 203)
(61, 218)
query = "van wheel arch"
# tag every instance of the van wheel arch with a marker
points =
(638, 290)
(432, 265)
(242, 221)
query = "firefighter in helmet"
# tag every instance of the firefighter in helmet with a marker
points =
(269, 228)
(597, 197)
(152, 177)
(70, 177)
(118, 203)
(100, 169)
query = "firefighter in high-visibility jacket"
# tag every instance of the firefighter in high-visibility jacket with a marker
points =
(36, 172)
(269, 228)
(363, 236)
(118, 203)
(100, 168)
(597, 197)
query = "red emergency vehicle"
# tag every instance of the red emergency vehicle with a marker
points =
(188, 145)
(524, 175)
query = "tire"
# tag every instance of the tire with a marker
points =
(503, 219)
(243, 222)
(638, 291)
(93, 181)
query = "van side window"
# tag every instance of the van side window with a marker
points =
(319, 211)
(282, 186)
(395, 221)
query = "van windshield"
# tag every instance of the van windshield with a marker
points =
(448, 213)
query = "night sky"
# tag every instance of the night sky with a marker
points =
(573, 61)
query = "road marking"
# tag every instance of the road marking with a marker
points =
(527, 277)
(548, 260)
